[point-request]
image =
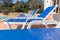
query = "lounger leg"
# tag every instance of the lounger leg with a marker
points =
(46, 25)
(9, 25)
(23, 26)
(29, 25)
(35, 22)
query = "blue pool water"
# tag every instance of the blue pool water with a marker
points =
(30, 34)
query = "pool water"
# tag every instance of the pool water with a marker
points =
(3, 17)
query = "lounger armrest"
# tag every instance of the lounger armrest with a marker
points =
(39, 18)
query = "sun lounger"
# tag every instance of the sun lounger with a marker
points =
(44, 15)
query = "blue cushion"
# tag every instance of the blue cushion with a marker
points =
(21, 20)
(46, 12)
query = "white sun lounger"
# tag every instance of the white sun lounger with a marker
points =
(44, 15)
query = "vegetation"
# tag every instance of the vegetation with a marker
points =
(21, 6)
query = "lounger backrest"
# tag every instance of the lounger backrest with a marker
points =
(34, 12)
(47, 11)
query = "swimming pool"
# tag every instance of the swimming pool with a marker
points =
(3, 17)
